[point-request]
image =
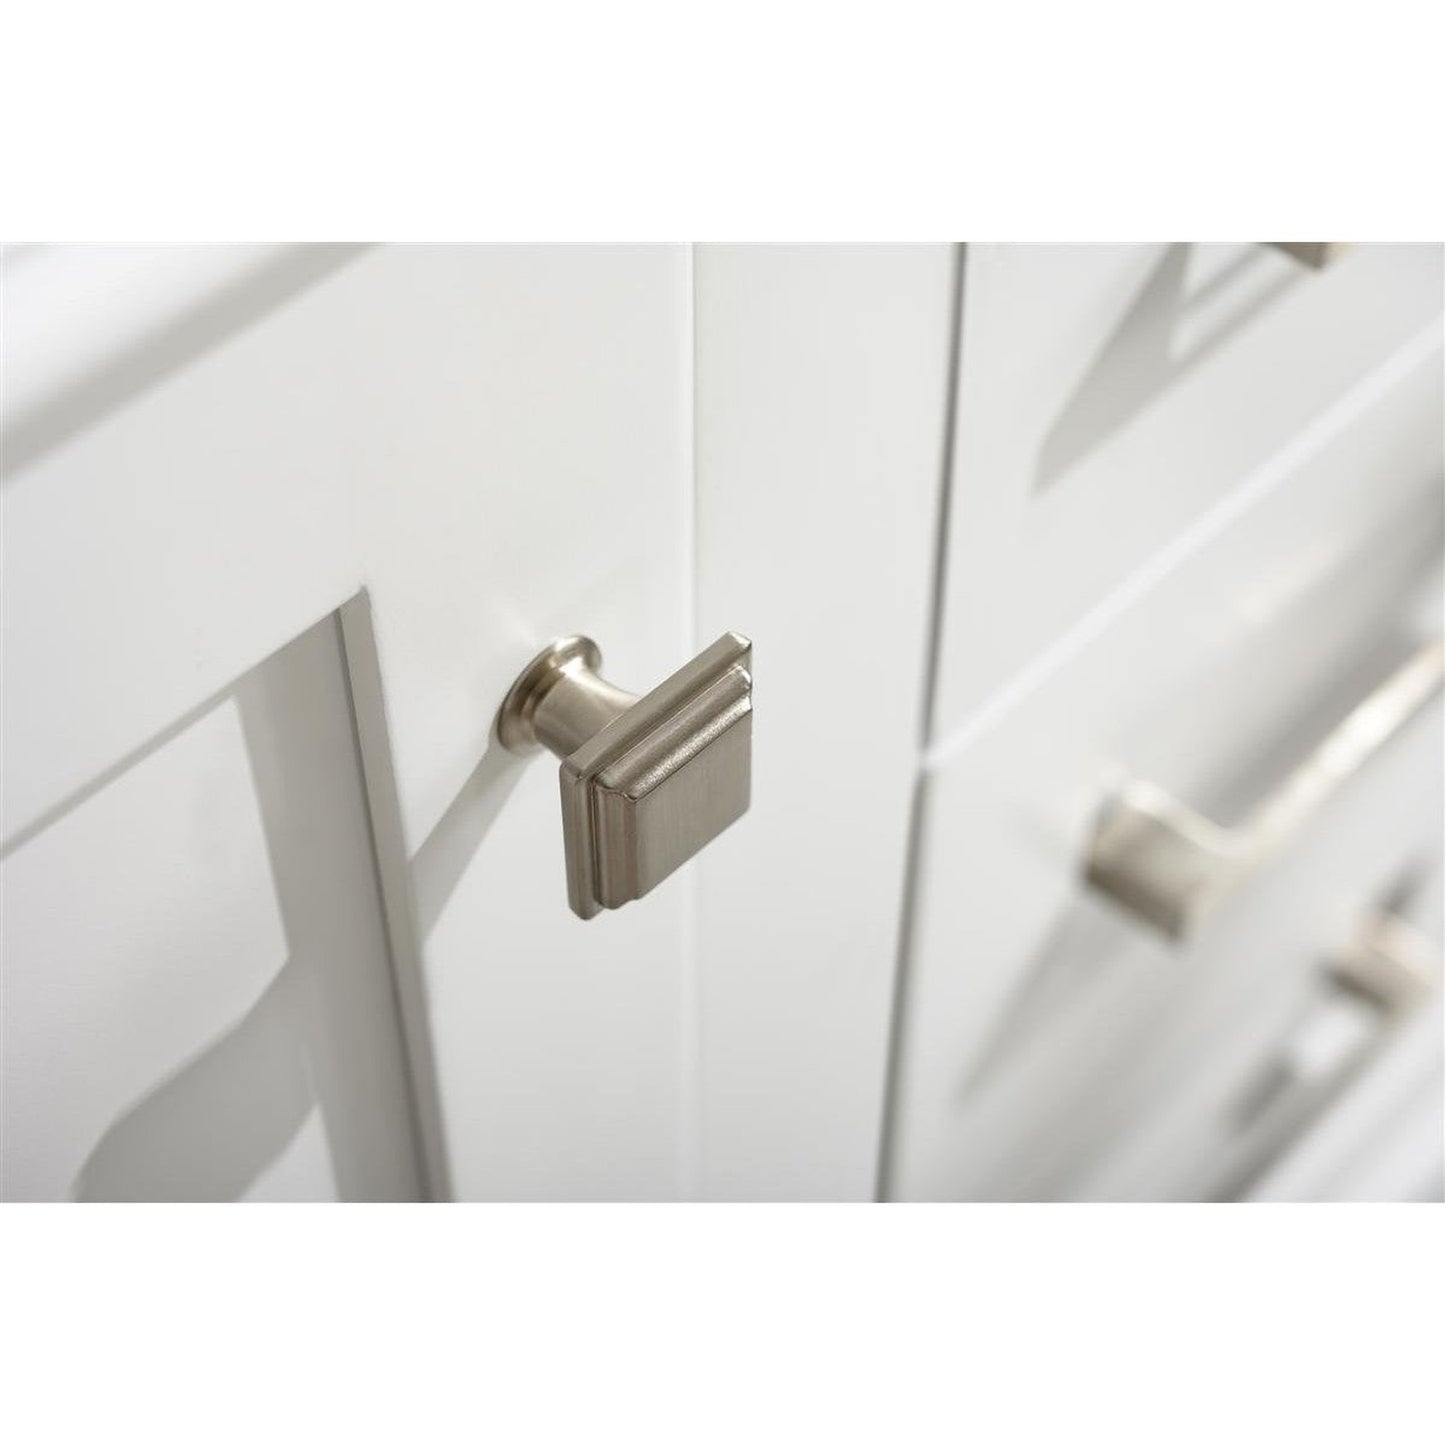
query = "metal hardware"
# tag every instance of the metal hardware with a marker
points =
(1314, 254)
(646, 782)
(1389, 963)
(1169, 865)
(1377, 984)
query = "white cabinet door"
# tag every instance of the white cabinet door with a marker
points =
(822, 389)
(281, 525)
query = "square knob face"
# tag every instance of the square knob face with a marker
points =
(660, 781)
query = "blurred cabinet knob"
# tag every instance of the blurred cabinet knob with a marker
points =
(646, 781)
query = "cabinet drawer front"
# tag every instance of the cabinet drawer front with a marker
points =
(1113, 400)
(1041, 1026)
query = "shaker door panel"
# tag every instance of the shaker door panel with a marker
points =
(462, 450)
(197, 985)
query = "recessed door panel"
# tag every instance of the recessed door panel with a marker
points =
(467, 451)
(198, 992)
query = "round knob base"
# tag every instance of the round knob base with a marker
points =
(517, 718)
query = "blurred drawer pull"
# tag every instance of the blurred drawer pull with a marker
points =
(1169, 865)
(1376, 986)
(1314, 254)
(1389, 964)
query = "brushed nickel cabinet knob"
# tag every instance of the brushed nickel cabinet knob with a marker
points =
(646, 781)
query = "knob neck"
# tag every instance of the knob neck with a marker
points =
(560, 700)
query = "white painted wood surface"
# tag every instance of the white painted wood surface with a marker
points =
(1109, 397)
(1041, 1028)
(468, 451)
(198, 995)
(822, 379)
(1381, 1140)
(1193, 491)
(494, 444)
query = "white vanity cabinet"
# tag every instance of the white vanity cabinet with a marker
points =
(1007, 526)
(281, 525)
